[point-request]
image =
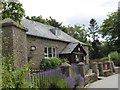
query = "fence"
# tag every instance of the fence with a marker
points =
(43, 79)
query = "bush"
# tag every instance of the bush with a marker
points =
(115, 55)
(50, 63)
(104, 58)
(61, 84)
(13, 77)
(50, 79)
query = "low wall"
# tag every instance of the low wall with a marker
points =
(117, 70)
(90, 78)
(116, 62)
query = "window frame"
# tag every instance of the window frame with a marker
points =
(53, 54)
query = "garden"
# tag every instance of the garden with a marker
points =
(48, 78)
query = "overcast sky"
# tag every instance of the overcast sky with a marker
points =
(71, 12)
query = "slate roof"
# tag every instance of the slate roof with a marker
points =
(69, 48)
(42, 30)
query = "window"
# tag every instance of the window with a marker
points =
(77, 59)
(49, 52)
(45, 51)
(78, 49)
(56, 31)
(54, 52)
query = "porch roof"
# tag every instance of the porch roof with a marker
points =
(69, 48)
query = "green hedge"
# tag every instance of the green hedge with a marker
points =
(104, 58)
(50, 63)
(114, 56)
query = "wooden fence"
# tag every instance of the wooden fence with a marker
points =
(43, 79)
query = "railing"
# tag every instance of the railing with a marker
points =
(43, 79)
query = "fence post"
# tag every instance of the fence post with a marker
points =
(66, 69)
(95, 68)
(100, 68)
(81, 68)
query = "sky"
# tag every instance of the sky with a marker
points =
(71, 12)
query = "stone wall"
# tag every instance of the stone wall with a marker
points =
(14, 42)
(40, 44)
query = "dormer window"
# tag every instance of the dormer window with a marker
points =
(56, 31)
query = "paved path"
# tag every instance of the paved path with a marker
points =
(109, 82)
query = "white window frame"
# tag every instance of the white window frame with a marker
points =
(47, 54)
(54, 52)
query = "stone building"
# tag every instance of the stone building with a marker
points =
(35, 41)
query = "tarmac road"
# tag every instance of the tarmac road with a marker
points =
(108, 82)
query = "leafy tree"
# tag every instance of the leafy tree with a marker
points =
(110, 29)
(93, 34)
(78, 32)
(13, 10)
(53, 22)
(38, 19)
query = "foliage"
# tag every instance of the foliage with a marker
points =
(49, 63)
(93, 34)
(51, 79)
(13, 10)
(62, 83)
(93, 29)
(114, 55)
(78, 32)
(14, 77)
(110, 29)
(53, 22)
(104, 58)
(37, 18)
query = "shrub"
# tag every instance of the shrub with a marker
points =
(104, 58)
(61, 84)
(52, 79)
(50, 63)
(13, 77)
(115, 55)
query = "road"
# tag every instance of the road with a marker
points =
(109, 82)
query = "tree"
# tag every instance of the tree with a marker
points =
(110, 29)
(13, 10)
(78, 32)
(37, 18)
(53, 22)
(93, 29)
(93, 34)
